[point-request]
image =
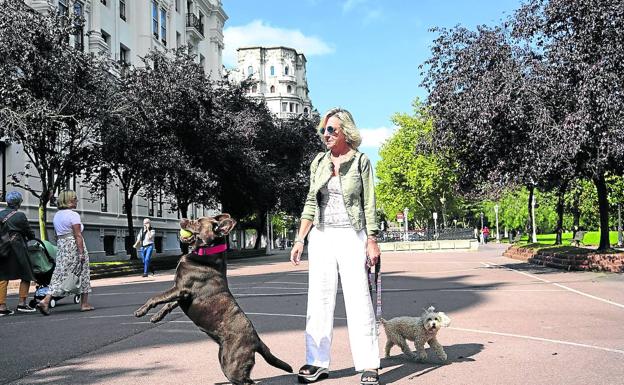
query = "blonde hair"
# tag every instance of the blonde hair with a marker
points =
(65, 199)
(347, 125)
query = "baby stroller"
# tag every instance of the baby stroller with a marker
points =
(42, 255)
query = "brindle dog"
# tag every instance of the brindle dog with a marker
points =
(201, 290)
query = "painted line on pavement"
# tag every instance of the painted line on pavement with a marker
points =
(557, 284)
(539, 339)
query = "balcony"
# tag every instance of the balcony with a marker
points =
(287, 79)
(194, 26)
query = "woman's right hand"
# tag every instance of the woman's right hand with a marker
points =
(295, 253)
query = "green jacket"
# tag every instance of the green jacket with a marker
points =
(358, 190)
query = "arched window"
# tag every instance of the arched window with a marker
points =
(254, 88)
(250, 70)
(286, 70)
(305, 111)
(289, 89)
(272, 89)
(272, 71)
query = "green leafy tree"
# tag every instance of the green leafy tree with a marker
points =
(52, 100)
(411, 177)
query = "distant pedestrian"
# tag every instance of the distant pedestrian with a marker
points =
(72, 257)
(145, 241)
(16, 264)
(486, 234)
(339, 214)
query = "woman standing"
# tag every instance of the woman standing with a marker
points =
(71, 257)
(145, 240)
(16, 265)
(339, 214)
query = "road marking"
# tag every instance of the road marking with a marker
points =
(540, 339)
(509, 290)
(557, 284)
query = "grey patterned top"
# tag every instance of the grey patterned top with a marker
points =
(333, 210)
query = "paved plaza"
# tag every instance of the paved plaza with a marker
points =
(512, 323)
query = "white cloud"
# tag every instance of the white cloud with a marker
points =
(375, 137)
(257, 33)
(351, 4)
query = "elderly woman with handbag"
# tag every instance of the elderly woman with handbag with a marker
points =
(71, 274)
(339, 215)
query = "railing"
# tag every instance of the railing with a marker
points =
(193, 21)
(425, 235)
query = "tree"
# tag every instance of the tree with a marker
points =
(581, 42)
(52, 99)
(412, 178)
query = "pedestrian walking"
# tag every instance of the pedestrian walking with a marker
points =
(340, 217)
(71, 274)
(145, 243)
(15, 264)
(486, 234)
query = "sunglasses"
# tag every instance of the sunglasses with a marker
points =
(330, 130)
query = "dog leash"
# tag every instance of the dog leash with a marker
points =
(374, 277)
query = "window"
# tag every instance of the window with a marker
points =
(272, 89)
(79, 26)
(155, 19)
(124, 55)
(272, 71)
(286, 70)
(305, 111)
(109, 245)
(202, 61)
(163, 26)
(104, 196)
(249, 70)
(159, 213)
(177, 5)
(150, 207)
(289, 89)
(122, 9)
(107, 39)
(292, 107)
(284, 107)
(63, 9)
(178, 39)
(254, 88)
(103, 2)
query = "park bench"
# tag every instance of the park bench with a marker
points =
(517, 238)
(578, 238)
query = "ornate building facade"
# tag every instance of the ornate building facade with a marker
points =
(280, 75)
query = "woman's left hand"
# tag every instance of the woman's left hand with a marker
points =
(372, 251)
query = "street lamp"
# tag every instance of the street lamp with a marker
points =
(405, 211)
(496, 212)
(620, 237)
(482, 240)
(443, 201)
(435, 225)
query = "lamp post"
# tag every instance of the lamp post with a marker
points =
(435, 225)
(481, 232)
(443, 201)
(620, 236)
(496, 212)
(405, 211)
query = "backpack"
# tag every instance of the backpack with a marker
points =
(5, 238)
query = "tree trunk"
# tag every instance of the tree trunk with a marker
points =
(560, 207)
(576, 212)
(184, 247)
(603, 207)
(531, 215)
(260, 229)
(128, 203)
(42, 220)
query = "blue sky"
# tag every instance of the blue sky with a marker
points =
(362, 55)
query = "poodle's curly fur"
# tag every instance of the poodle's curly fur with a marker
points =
(418, 329)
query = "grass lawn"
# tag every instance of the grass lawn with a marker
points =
(591, 238)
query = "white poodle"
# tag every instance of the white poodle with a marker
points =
(418, 329)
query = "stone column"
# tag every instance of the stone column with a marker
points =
(96, 42)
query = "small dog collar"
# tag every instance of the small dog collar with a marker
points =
(207, 250)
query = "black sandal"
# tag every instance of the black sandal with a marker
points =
(369, 377)
(310, 373)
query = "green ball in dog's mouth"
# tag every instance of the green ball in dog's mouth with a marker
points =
(185, 233)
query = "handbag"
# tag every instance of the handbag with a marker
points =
(72, 282)
(5, 238)
(137, 244)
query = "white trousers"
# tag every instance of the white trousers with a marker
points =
(331, 251)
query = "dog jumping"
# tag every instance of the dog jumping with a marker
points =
(201, 291)
(420, 330)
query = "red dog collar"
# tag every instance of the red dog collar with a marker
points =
(205, 250)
